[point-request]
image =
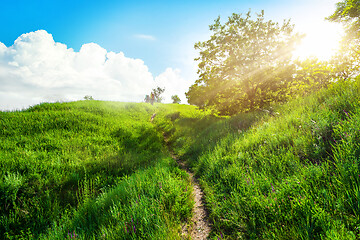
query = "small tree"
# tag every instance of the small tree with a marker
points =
(175, 99)
(147, 99)
(156, 92)
(88, 97)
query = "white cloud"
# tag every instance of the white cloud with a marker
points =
(145, 37)
(173, 83)
(37, 69)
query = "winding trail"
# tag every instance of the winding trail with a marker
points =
(200, 228)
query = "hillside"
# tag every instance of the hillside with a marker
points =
(292, 173)
(89, 169)
(101, 170)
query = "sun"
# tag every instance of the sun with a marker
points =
(321, 41)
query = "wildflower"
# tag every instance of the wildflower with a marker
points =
(72, 235)
(134, 228)
(273, 190)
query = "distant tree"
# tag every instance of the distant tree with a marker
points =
(147, 99)
(175, 99)
(245, 65)
(156, 94)
(88, 97)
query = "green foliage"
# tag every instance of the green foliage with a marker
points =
(311, 76)
(244, 66)
(88, 97)
(348, 13)
(175, 99)
(156, 92)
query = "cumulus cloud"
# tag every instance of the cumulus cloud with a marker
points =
(37, 69)
(173, 83)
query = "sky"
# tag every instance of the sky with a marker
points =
(120, 50)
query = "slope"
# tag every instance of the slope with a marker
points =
(291, 174)
(89, 170)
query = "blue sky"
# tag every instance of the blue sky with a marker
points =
(160, 33)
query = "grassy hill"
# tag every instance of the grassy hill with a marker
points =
(291, 174)
(91, 169)
(101, 170)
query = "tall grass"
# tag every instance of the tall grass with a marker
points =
(100, 170)
(149, 204)
(57, 159)
(291, 175)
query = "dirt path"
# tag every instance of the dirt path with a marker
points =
(201, 227)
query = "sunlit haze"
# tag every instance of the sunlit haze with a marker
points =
(322, 41)
(120, 50)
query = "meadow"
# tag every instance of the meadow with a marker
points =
(289, 173)
(102, 170)
(88, 170)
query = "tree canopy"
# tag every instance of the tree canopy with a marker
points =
(348, 13)
(156, 92)
(155, 95)
(175, 99)
(245, 65)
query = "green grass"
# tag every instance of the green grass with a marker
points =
(292, 175)
(60, 160)
(101, 170)
(149, 204)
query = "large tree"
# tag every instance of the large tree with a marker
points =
(245, 65)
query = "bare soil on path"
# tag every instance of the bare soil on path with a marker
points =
(200, 228)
